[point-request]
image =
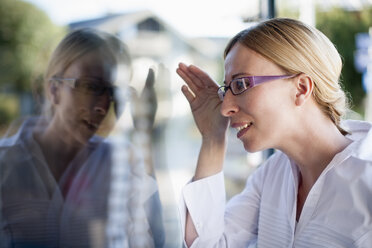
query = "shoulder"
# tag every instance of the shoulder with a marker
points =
(19, 134)
(361, 135)
(12, 149)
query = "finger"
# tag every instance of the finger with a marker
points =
(183, 66)
(199, 77)
(202, 76)
(196, 79)
(187, 80)
(133, 95)
(150, 80)
(188, 94)
(191, 75)
(185, 69)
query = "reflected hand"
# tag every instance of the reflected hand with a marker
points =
(144, 106)
(201, 93)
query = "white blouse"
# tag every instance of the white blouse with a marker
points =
(337, 211)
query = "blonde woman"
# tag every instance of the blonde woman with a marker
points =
(281, 91)
(63, 185)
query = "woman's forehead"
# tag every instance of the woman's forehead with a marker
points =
(91, 65)
(243, 60)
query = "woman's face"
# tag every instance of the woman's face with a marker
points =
(79, 113)
(262, 114)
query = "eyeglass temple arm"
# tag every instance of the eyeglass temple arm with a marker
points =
(262, 79)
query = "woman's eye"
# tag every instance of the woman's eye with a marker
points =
(240, 85)
(93, 87)
(90, 87)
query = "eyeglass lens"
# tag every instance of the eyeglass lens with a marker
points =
(93, 88)
(239, 85)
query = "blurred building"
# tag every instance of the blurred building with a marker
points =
(152, 41)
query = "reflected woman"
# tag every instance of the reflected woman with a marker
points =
(62, 185)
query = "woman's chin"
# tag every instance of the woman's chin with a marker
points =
(84, 135)
(252, 147)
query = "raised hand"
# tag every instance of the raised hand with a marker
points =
(144, 106)
(201, 93)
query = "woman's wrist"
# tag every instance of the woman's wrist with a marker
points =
(211, 157)
(215, 139)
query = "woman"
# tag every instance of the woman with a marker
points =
(62, 185)
(281, 91)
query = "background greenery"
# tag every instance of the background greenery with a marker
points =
(27, 38)
(341, 26)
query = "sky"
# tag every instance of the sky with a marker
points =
(191, 17)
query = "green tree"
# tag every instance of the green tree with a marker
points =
(27, 37)
(341, 26)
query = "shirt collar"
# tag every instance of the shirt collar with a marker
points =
(361, 134)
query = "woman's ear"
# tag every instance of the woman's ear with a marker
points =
(304, 89)
(54, 91)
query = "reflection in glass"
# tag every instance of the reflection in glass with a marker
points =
(64, 185)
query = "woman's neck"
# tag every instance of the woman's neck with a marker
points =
(313, 147)
(57, 149)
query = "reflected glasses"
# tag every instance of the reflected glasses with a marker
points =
(88, 86)
(240, 85)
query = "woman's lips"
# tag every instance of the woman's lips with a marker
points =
(242, 128)
(91, 125)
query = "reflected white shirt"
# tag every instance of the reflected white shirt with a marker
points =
(337, 211)
(34, 212)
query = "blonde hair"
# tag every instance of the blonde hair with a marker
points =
(75, 45)
(298, 48)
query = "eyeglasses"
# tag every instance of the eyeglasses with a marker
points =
(239, 85)
(88, 86)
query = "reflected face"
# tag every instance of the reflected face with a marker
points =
(260, 114)
(78, 113)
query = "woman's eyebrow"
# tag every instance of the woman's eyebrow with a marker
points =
(239, 74)
(236, 75)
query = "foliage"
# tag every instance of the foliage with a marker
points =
(27, 37)
(286, 10)
(341, 26)
(9, 109)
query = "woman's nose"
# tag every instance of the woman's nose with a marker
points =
(101, 105)
(229, 106)
(100, 110)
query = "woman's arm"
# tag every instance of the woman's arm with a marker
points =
(201, 93)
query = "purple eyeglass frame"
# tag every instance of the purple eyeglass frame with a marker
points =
(254, 81)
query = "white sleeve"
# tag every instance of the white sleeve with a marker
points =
(217, 225)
